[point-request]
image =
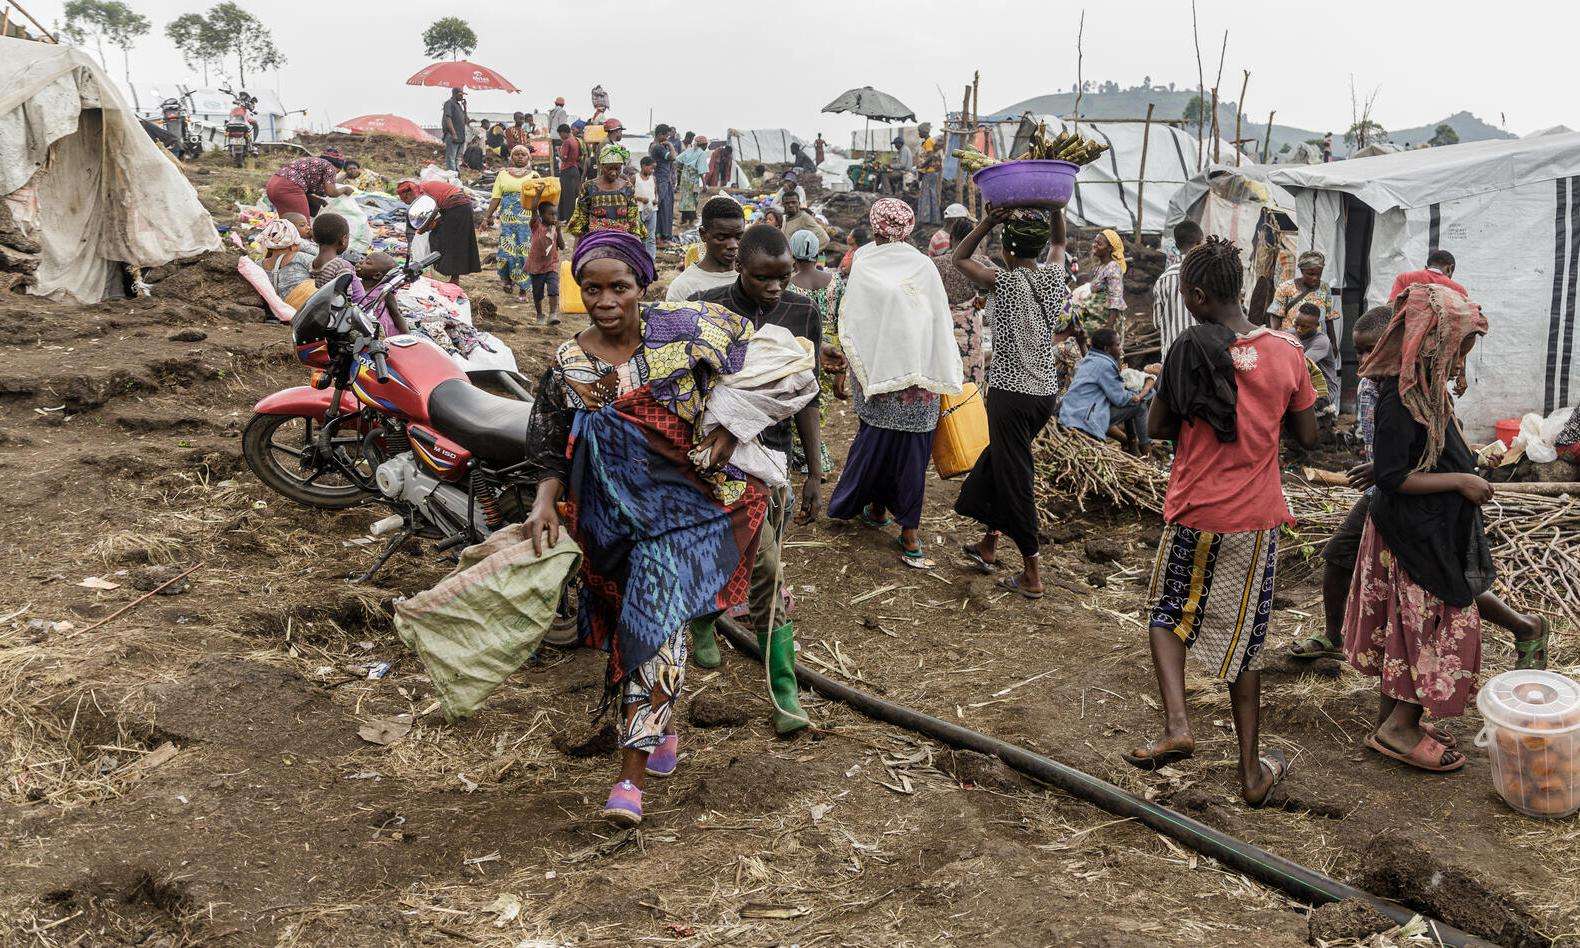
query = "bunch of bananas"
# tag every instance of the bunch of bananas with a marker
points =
(1065, 146)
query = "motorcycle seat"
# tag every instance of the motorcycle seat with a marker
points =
(491, 427)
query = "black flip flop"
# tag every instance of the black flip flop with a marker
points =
(1158, 761)
(975, 561)
(1012, 583)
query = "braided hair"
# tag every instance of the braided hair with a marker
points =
(1214, 267)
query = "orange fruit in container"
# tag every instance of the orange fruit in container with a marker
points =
(1533, 737)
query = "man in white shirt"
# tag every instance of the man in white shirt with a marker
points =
(723, 222)
(646, 185)
(1168, 307)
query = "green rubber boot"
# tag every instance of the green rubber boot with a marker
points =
(779, 660)
(705, 644)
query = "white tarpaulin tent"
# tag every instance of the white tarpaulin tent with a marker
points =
(1508, 210)
(769, 146)
(1106, 190)
(81, 177)
(1233, 203)
(212, 107)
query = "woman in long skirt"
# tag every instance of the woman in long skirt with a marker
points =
(1028, 310)
(515, 218)
(898, 338)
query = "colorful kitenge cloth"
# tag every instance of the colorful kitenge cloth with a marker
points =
(827, 302)
(1292, 294)
(1424, 650)
(690, 187)
(1215, 591)
(515, 229)
(614, 209)
(1108, 293)
(662, 546)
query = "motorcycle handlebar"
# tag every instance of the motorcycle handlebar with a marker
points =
(380, 368)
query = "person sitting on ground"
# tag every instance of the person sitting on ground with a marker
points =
(333, 236)
(1168, 310)
(494, 140)
(1411, 619)
(304, 185)
(608, 202)
(799, 218)
(284, 260)
(1098, 399)
(472, 156)
(723, 222)
(762, 295)
(1439, 269)
(646, 491)
(454, 227)
(1319, 349)
(800, 159)
(1229, 389)
(543, 260)
(1338, 556)
(360, 178)
(898, 337)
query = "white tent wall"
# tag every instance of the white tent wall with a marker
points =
(1106, 190)
(769, 146)
(213, 107)
(880, 138)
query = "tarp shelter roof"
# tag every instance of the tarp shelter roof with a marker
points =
(83, 178)
(1433, 175)
(767, 145)
(1246, 183)
(1106, 190)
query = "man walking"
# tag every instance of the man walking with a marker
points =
(663, 153)
(452, 125)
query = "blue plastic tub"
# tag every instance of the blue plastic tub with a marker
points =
(1028, 182)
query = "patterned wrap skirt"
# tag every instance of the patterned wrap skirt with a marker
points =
(1215, 591)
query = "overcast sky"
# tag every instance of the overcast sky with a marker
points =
(769, 65)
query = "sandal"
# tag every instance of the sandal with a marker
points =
(1529, 649)
(1315, 646)
(915, 559)
(1275, 762)
(1438, 734)
(975, 560)
(1427, 755)
(1153, 760)
(1012, 583)
(867, 518)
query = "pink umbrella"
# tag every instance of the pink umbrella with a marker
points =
(387, 125)
(461, 74)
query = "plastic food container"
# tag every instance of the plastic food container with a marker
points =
(1028, 182)
(1532, 732)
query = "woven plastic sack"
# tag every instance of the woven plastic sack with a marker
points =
(482, 622)
(357, 219)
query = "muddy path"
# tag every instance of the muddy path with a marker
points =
(192, 771)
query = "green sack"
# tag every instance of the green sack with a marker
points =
(482, 622)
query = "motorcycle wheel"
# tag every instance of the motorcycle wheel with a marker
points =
(274, 447)
(238, 156)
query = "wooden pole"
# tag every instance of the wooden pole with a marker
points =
(976, 118)
(1239, 110)
(1201, 85)
(5, 23)
(34, 20)
(960, 177)
(1217, 83)
(1267, 140)
(1141, 180)
(1080, 81)
(1216, 156)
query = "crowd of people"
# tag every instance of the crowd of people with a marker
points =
(666, 435)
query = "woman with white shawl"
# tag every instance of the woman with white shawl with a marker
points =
(898, 335)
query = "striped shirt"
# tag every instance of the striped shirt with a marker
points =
(1168, 308)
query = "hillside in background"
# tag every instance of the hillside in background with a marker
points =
(1171, 104)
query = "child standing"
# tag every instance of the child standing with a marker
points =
(543, 260)
(1228, 388)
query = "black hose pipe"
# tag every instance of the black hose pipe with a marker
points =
(1293, 879)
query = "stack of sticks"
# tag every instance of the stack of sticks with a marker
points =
(1073, 467)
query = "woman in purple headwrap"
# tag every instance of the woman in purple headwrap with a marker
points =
(667, 526)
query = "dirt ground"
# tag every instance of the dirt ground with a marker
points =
(191, 771)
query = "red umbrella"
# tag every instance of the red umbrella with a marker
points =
(461, 74)
(387, 125)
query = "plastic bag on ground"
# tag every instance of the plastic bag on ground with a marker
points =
(485, 620)
(1539, 436)
(357, 219)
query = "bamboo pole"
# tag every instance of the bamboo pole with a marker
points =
(1141, 181)
(34, 20)
(1239, 110)
(1267, 141)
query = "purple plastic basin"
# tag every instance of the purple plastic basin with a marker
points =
(1027, 182)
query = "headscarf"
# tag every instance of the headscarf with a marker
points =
(614, 154)
(1309, 259)
(803, 245)
(614, 245)
(1421, 346)
(407, 188)
(938, 244)
(1026, 235)
(1118, 246)
(701, 141)
(891, 218)
(334, 157)
(279, 234)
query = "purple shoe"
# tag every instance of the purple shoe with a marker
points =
(625, 805)
(664, 758)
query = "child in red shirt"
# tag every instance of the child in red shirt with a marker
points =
(543, 259)
(1212, 582)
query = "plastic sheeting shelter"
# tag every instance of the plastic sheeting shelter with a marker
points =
(1509, 211)
(212, 107)
(1106, 192)
(769, 146)
(80, 176)
(1242, 205)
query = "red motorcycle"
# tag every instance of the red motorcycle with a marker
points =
(241, 126)
(393, 420)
